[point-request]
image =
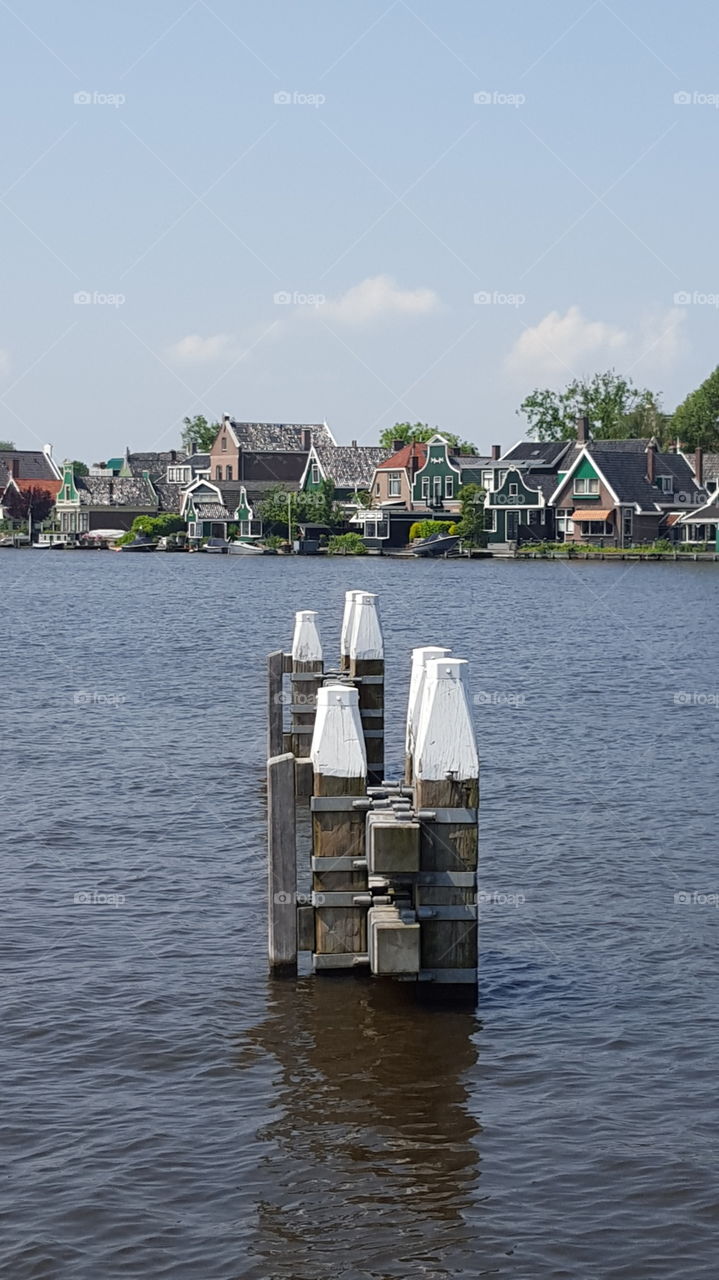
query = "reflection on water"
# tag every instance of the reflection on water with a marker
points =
(373, 1132)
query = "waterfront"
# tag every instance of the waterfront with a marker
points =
(173, 1113)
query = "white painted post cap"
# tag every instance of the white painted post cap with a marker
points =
(366, 635)
(420, 658)
(306, 643)
(444, 743)
(338, 749)
(347, 618)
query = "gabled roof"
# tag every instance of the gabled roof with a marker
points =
(349, 465)
(33, 464)
(50, 486)
(198, 462)
(278, 437)
(211, 511)
(540, 453)
(115, 491)
(156, 463)
(404, 456)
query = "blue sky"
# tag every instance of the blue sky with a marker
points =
(319, 257)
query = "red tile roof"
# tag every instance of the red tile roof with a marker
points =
(51, 486)
(404, 457)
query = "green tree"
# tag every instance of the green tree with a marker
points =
(80, 468)
(470, 525)
(7, 444)
(419, 432)
(200, 432)
(315, 508)
(696, 419)
(616, 408)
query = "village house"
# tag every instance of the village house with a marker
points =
(88, 504)
(24, 469)
(350, 467)
(209, 514)
(518, 488)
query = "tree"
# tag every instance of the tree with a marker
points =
(314, 508)
(616, 408)
(199, 432)
(34, 502)
(7, 444)
(80, 468)
(470, 525)
(420, 432)
(696, 419)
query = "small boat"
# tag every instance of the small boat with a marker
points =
(437, 545)
(246, 549)
(217, 546)
(138, 544)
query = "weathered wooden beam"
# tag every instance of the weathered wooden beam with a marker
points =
(420, 658)
(340, 769)
(446, 772)
(345, 633)
(275, 668)
(306, 679)
(366, 665)
(282, 863)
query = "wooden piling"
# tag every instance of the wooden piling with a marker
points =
(305, 679)
(347, 621)
(366, 651)
(275, 668)
(420, 658)
(282, 863)
(446, 771)
(340, 771)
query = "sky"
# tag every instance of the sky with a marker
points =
(352, 213)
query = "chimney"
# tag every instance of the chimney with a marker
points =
(354, 444)
(397, 445)
(651, 459)
(582, 430)
(455, 451)
(496, 452)
(15, 468)
(173, 455)
(110, 490)
(306, 439)
(699, 466)
(226, 419)
(47, 450)
(193, 447)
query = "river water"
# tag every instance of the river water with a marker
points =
(170, 1111)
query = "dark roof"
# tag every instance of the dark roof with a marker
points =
(198, 461)
(169, 496)
(211, 511)
(349, 465)
(626, 472)
(155, 462)
(702, 515)
(34, 465)
(710, 466)
(540, 453)
(117, 491)
(472, 460)
(277, 437)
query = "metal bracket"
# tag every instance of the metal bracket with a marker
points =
(325, 865)
(340, 960)
(348, 898)
(446, 913)
(448, 815)
(338, 804)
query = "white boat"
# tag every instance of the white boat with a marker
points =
(245, 549)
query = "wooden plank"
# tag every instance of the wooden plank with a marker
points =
(282, 863)
(275, 666)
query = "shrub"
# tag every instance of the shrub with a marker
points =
(425, 528)
(347, 544)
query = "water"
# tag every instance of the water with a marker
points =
(171, 1112)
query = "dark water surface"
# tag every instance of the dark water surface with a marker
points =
(168, 1111)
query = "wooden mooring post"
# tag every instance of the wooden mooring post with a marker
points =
(393, 864)
(366, 667)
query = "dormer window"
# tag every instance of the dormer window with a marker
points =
(394, 485)
(513, 490)
(315, 473)
(665, 483)
(585, 486)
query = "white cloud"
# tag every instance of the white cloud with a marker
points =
(378, 297)
(195, 349)
(562, 347)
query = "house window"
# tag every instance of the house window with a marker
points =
(596, 528)
(665, 483)
(376, 529)
(376, 488)
(315, 473)
(490, 520)
(228, 473)
(513, 490)
(565, 523)
(585, 486)
(218, 473)
(394, 484)
(425, 488)
(486, 479)
(449, 486)
(224, 444)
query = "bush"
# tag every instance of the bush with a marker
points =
(425, 528)
(347, 544)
